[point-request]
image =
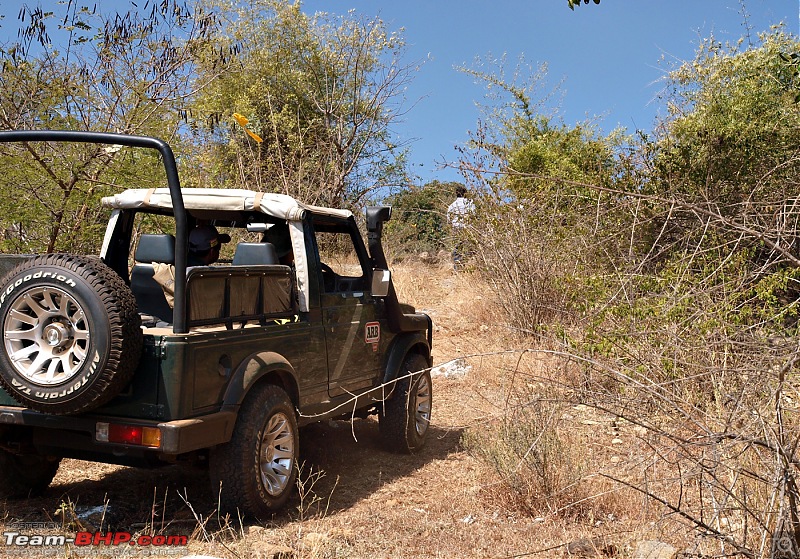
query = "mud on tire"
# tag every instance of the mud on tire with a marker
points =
(71, 333)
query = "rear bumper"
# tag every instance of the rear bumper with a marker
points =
(77, 433)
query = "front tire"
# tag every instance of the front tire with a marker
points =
(25, 475)
(406, 415)
(255, 472)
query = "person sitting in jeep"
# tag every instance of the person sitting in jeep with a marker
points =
(205, 243)
(279, 236)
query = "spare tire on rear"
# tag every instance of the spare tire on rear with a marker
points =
(71, 333)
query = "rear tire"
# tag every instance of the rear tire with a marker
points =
(25, 475)
(255, 472)
(406, 415)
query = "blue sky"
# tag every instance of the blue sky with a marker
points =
(610, 56)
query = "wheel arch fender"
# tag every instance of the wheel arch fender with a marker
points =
(267, 366)
(401, 346)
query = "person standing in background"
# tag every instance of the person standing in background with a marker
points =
(458, 214)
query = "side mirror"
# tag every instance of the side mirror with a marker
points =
(381, 280)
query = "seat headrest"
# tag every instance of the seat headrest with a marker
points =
(255, 254)
(156, 248)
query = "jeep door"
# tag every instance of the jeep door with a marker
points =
(349, 313)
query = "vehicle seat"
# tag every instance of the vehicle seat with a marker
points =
(148, 293)
(255, 254)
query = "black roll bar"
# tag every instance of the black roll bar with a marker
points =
(181, 226)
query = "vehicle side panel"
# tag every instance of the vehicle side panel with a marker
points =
(354, 359)
(213, 360)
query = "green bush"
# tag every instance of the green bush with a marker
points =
(419, 218)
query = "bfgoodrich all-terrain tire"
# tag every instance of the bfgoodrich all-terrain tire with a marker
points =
(406, 415)
(25, 475)
(254, 474)
(71, 333)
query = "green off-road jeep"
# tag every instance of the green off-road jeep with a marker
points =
(98, 364)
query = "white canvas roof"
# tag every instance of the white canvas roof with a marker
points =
(280, 206)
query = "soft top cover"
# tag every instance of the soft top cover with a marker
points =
(279, 206)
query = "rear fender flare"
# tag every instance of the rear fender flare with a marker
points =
(267, 365)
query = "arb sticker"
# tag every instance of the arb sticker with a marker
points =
(372, 334)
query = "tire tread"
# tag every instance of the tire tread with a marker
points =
(125, 333)
(232, 478)
(396, 421)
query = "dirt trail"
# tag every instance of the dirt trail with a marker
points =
(357, 500)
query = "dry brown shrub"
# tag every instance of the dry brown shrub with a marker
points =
(718, 450)
(546, 454)
(522, 266)
(537, 468)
